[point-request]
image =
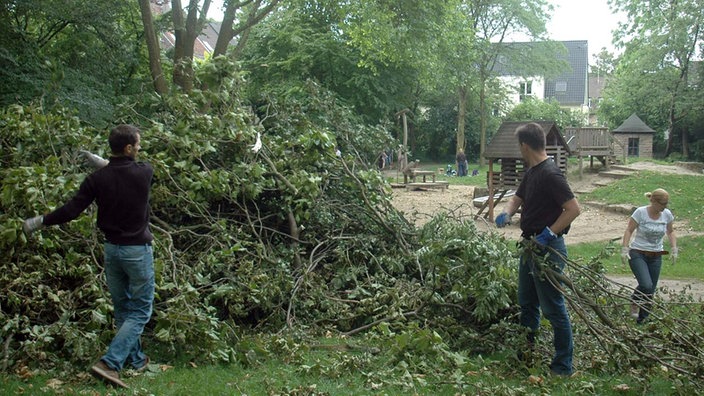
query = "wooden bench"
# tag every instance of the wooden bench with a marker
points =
(423, 173)
(483, 202)
(419, 185)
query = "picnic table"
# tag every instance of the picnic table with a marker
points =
(416, 172)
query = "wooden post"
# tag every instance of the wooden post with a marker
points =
(581, 165)
(403, 157)
(405, 131)
(491, 190)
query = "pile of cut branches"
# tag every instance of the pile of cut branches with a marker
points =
(289, 235)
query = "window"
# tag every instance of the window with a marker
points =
(561, 86)
(633, 146)
(525, 90)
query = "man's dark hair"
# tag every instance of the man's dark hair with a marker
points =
(531, 134)
(121, 136)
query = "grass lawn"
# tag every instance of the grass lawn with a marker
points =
(304, 370)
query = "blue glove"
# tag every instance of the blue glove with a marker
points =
(545, 237)
(502, 220)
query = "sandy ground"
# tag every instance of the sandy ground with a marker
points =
(595, 223)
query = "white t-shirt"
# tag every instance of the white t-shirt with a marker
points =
(649, 232)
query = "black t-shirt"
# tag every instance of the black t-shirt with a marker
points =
(544, 189)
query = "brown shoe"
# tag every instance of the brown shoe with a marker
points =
(145, 366)
(102, 371)
(634, 310)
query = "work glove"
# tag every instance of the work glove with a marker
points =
(94, 161)
(32, 224)
(502, 220)
(625, 254)
(674, 254)
(545, 237)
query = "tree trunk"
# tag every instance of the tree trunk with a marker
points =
(685, 143)
(228, 31)
(192, 32)
(461, 117)
(671, 130)
(153, 49)
(186, 31)
(180, 36)
(482, 123)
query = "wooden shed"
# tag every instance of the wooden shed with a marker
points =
(635, 138)
(506, 165)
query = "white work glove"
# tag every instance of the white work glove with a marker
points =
(673, 255)
(94, 161)
(625, 255)
(32, 224)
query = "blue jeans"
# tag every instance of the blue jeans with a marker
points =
(535, 294)
(129, 270)
(647, 272)
(462, 169)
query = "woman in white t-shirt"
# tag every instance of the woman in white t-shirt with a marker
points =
(644, 255)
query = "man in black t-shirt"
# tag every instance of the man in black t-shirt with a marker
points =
(548, 209)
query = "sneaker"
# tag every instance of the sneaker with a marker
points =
(634, 310)
(102, 371)
(554, 373)
(144, 367)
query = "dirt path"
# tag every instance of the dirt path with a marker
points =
(595, 223)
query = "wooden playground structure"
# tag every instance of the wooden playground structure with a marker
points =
(592, 143)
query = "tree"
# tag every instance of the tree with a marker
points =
(153, 49)
(186, 29)
(188, 23)
(661, 39)
(604, 63)
(534, 109)
(78, 53)
(238, 20)
(300, 44)
(403, 36)
(485, 25)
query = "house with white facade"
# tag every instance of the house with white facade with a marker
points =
(569, 88)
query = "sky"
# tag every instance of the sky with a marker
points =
(584, 20)
(572, 20)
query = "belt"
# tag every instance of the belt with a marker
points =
(529, 235)
(651, 254)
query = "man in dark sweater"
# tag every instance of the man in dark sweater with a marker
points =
(120, 187)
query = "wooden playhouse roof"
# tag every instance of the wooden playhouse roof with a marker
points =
(633, 124)
(505, 145)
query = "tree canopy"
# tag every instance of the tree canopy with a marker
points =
(655, 76)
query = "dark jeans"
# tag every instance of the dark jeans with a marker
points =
(536, 294)
(462, 168)
(646, 268)
(129, 270)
